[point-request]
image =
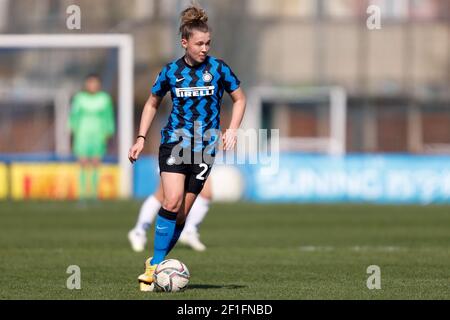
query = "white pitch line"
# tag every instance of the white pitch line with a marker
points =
(353, 248)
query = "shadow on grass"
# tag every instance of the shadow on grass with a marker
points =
(212, 286)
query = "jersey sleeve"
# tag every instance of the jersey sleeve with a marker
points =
(162, 84)
(229, 80)
(75, 114)
(110, 126)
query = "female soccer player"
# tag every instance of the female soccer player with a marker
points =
(92, 124)
(188, 142)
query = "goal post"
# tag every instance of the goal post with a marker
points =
(125, 46)
(334, 97)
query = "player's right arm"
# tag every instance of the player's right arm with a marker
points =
(75, 114)
(159, 90)
(148, 114)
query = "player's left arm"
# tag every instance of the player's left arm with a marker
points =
(110, 125)
(239, 101)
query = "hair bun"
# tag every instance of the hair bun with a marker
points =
(193, 14)
(193, 18)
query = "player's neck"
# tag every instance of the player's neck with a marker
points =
(190, 62)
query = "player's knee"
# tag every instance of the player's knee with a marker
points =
(172, 203)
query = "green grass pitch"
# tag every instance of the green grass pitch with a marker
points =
(254, 252)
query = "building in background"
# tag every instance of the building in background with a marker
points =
(397, 78)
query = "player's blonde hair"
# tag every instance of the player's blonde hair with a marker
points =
(193, 18)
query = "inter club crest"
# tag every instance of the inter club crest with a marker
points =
(207, 77)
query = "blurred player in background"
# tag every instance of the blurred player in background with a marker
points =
(196, 82)
(189, 236)
(92, 124)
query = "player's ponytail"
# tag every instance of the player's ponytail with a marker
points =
(193, 18)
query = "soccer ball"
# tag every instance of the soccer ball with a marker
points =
(171, 276)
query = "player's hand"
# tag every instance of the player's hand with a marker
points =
(229, 139)
(136, 150)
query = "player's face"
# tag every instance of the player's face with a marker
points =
(197, 47)
(93, 85)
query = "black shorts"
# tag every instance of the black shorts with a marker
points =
(196, 168)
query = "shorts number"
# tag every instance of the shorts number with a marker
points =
(200, 175)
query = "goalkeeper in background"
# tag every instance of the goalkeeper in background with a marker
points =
(92, 124)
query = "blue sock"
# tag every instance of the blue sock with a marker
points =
(164, 230)
(176, 236)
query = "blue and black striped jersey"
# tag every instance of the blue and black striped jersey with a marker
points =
(196, 96)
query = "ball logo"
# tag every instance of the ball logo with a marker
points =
(207, 77)
(171, 161)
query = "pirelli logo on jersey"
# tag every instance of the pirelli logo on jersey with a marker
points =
(194, 92)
